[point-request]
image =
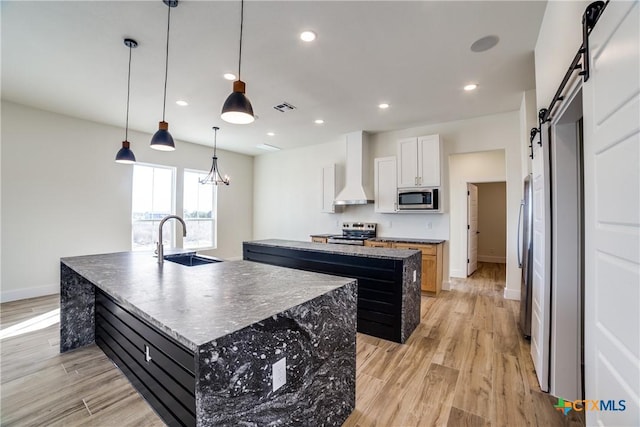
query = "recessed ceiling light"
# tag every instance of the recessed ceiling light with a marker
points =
(319, 121)
(307, 36)
(182, 103)
(383, 106)
(470, 87)
(270, 134)
(229, 76)
(484, 43)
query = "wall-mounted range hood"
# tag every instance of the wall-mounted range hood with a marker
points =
(358, 189)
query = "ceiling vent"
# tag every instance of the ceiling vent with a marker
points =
(284, 107)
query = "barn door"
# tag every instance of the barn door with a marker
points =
(541, 277)
(611, 99)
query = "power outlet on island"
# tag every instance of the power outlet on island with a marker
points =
(415, 276)
(279, 373)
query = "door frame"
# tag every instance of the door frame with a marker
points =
(567, 263)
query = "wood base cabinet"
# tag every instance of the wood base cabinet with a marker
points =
(431, 265)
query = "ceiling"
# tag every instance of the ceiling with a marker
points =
(69, 57)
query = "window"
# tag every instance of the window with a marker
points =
(199, 205)
(152, 200)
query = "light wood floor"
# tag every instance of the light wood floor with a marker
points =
(465, 365)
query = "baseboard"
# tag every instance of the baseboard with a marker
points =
(446, 285)
(492, 258)
(513, 294)
(458, 273)
(39, 291)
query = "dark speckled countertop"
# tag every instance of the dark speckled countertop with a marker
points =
(408, 240)
(196, 305)
(362, 251)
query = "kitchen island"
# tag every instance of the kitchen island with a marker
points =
(388, 279)
(228, 343)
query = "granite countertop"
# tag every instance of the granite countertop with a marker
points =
(361, 251)
(408, 240)
(196, 305)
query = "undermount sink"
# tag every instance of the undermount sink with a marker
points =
(191, 259)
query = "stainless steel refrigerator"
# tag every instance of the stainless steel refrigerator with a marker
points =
(525, 255)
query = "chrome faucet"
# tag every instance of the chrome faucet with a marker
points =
(160, 247)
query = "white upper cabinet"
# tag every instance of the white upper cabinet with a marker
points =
(419, 162)
(385, 188)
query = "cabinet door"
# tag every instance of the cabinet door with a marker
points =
(429, 273)
(385, 191)
(429, 161)
(328, 188)
(408, 163)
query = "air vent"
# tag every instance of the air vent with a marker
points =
(285, 106)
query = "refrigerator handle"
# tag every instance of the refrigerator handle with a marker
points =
(519, 231)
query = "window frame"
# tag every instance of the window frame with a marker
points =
(168, 233)
(214, 210)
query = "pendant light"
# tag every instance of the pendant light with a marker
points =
(125, 155)
(214, 176)
(237, 108)
(162, 139)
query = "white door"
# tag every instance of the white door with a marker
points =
(408, 163)
(541, 282)
(472, 228)
(612, 215)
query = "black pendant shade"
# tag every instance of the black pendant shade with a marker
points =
(125, 155)
(237, 108)
(162, 139)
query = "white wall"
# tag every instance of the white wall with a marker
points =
(492, 221)
(63, 194)
(528, 120)
(558, 41)
(287, 199)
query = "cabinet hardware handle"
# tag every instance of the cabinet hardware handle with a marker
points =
(147, 356)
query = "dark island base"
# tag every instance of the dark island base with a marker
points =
(388, 297)
(228, 381)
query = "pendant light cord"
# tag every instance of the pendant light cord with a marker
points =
(166, 64)
(126, 126)
(241, 23)
(215, 141)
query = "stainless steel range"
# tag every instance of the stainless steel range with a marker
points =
(354, 233)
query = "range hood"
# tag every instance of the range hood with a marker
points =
(357, 190)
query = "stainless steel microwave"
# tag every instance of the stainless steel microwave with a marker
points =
(425, 199)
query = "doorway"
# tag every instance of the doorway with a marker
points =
(566, 368)
(486, 223)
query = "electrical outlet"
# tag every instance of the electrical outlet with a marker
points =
(415, 275)
(279, 373)
(429, 225)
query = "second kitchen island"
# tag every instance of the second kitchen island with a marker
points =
(388, 279)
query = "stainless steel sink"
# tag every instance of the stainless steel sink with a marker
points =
(191, 259)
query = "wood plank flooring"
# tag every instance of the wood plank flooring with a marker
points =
(465, 365)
